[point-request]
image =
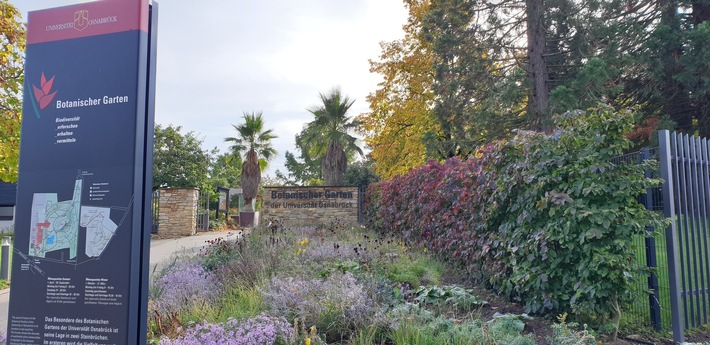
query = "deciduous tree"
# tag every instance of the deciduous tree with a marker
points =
(179, 161)
(401, 108)
(12, 47)
(225, 171)
(304, 169)
(360, 173)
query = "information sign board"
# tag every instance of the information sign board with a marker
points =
(80, 262)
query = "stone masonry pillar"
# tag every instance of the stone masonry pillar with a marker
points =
(177, 213)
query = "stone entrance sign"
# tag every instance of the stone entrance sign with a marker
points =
(296, 206)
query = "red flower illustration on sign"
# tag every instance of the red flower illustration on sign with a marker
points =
(42, 94)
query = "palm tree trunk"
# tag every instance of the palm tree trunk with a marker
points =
(334, 164)
(251, 177)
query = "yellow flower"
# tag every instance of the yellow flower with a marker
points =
(308, 341)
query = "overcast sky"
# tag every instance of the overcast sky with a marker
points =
(219, 58)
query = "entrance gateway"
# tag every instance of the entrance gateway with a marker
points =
(82, 227)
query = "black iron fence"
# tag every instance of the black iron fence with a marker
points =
(651, 293)
(685, 168)
(155, 211)
(360, 200)
(203, 211)
(678, 285)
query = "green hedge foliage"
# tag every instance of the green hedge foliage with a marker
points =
(548, 219)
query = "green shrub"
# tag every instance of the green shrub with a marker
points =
(216, 224)
(567, 334)
(415, 326)
(448, 295)
(218, 252)
(568, 215)
(547, 219)
(413, 271)
(342, 267)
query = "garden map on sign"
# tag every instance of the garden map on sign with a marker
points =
(55, 225)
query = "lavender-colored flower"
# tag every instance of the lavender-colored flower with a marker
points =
(328, 251)
(185, 284)
(260, 330)
(336, 304)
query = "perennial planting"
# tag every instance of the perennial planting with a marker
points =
(262, 329)
(328, 285)
(546, 220)
(183, 285)
(336, 305)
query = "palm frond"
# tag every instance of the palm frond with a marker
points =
(328, 134)
(255, 143)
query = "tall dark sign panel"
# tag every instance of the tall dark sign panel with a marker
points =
(80, 264)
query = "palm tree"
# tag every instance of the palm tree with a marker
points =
(329, 135)
(256, 142)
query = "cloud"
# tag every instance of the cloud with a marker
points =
(219, 58)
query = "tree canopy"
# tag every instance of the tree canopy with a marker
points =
(254, 141)
(225, 171)
(468, 72)
(329, 135)
(303, 169)
(400, 109)
(360, 173)
(12, 47)
(179, 161)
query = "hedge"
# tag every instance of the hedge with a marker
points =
(544, 218)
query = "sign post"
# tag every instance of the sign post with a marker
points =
(82, 230)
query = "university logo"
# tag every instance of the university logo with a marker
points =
(42, 93)
(81, 19)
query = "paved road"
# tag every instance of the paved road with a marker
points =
(161, 251)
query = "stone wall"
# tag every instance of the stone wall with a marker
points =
(177, 213)
(298, 206)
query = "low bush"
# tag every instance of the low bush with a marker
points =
(337, 305)
(412, 271)
(568, 333)
(441, 331)
(183, 285)
(450, 296)
(261, 330)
